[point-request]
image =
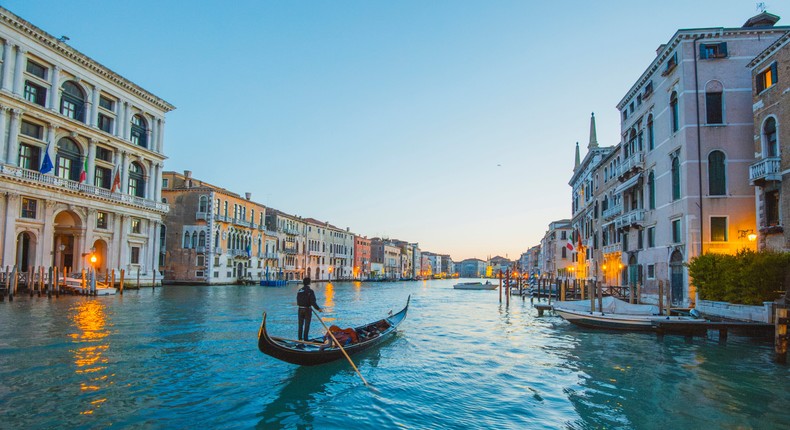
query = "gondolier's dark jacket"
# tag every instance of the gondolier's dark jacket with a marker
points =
(306, 298)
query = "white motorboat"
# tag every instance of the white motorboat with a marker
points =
(614, 314)
(474, 286)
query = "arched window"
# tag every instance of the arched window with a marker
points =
(717, 175)
(651, 138)
(714, 102)
(673, 107)
(136, 180)
(72, 101)
(770, 144)
(651, 184)
(186, 240)
(67, 162)
(675, 178)
(138, 135)
(605, 204)
(202, 238)
(203, 204)
(162, 236)
(216, 239)
(194, 239)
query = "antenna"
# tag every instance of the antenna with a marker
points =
(761, 6)
(63, 38)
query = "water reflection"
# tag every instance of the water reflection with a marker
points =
(329, 295)
(90, 357)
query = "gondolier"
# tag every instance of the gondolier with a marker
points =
(305, 299)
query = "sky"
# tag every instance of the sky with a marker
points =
(448, 123)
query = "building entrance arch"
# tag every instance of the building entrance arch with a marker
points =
(676, 277)
(68, 231)
(25, 250)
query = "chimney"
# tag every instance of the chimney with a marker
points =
(248, 195)
(188, 178)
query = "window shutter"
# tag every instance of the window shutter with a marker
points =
(703, 52)
(723, 49)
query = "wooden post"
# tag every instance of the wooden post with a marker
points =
(637, 292)
(49, 285)
(29, 283)
(507, 287)
(583, 287)
(500, 285)
(780, 342)
(138, 278)
(668, 290)
(123, 273)
(562, 291)
(16, 284)
(107, 277)
(84, 283)
(7, 282)
(549, 290)
(592, 296)
(56, 285)
(661, 297)
(599, 288)
(40, 279)
(154, 282)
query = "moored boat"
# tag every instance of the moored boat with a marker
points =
(474, 286)
(315, 351)
(615, 314)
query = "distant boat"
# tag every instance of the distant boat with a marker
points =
(617, 315)
(75, 285)
(273, 283)
(475, 286)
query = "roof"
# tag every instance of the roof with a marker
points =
(767, 52)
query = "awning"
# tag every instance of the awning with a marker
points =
(627, 184)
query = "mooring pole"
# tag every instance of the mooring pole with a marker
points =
(780, 342)
(500, 285)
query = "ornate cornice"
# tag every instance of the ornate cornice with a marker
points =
(72, 54)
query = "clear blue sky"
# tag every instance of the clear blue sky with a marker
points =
(448, 123)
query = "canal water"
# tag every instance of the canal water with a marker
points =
(187, 357)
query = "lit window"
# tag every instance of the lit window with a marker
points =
(136, 225)
(101, 220)
(29, 157)
(766, 79)
(28, 208)
(718, 229)
(713, 50)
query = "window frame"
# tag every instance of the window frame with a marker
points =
(718, 232)
(28, 208)
(717, 174)
(766, 78)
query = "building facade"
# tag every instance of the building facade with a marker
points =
(287, 258)
(769, 174)
(212, 236)
(330, 251)
(81, 156)
(361, 258)
(556, 257)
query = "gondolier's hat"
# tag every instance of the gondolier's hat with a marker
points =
(306, 280)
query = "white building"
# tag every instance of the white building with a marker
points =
(330, 251)
(81, 156)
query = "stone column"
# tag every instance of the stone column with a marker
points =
(123, 246)
(158, 188)
(150, 191)
(90, 232)
(153, 144)
(91, 173)
(124, 189)
(19, 69)
(48, 236)
(7, 66)
(12, 157)
(127, 119)
(93, 121)
(119, 116)
(55, 91)
(3, 142)
(160, 138)
(11, 214)
(153, 248)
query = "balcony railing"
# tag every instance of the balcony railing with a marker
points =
(237, 253)
(223, 218)
(201, 215)
(611, 249)
(50, 181)
(636, 217)
(613, 211)
(288, 230)
(289, 250)
(218, 250)
(767, 169)
(270, 255)
(633, 164)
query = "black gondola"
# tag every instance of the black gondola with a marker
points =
(315, 352)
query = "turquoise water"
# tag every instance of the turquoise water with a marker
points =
(187, 357)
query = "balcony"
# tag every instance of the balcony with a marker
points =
(270, 255)
(65, 185)
(200, 249)
(201, 215)
(238, 253)
(631, 166)
(218, 250)
(612, 211)
(290, 250)
(292, 231)
(765, 170)
(223, 218)
(631, 219)
(612, 249)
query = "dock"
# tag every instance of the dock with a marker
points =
(696, 328)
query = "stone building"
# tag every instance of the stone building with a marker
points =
(556, 258)
(330, 251)
(686, 132)
(769, 174)
(81, 156)
(212, 236)
(287, 258)
(361, 258)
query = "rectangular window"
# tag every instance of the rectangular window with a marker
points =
(63, 169)
(29, 157)
(36, 69)
(648, 90)
(32, 130)
(718, 229)
(105, 123)
(651, 271)
(135, 255)
(564, 252)
(103, 154)
(165, 183)
(766, 79)
(651, 237)
(564, 235)
(772, 208)
(101, 220)
(200, 261)
(101, 178)
(672, 61)
(676, 231)
(35, 93)
(68, 109)
(639, 240)
(136, 225)
(28, 208)
(106, 103)
(199, 274)
(713, 107)
(216, 275)
(713, 50)
(625, 242)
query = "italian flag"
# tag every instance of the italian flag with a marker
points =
(84, 173)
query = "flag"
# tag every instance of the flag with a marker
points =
(569, 245)
(116, 181)
(84, 173)
(46, 164)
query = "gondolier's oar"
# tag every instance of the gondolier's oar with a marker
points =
(340, 346)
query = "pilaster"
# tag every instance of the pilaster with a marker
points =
(9, 244)
(12, 156)
(55, 91)
(3, 141)
(6, 85)
(93, 121)
(91, 173)
(124, 188)
(19, 68)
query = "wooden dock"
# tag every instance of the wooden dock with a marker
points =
(695, 328)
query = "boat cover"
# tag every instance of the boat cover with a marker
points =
(611, 305)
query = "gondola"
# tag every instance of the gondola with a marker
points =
(314, 352)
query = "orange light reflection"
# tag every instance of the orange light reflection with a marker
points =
(89, 357)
